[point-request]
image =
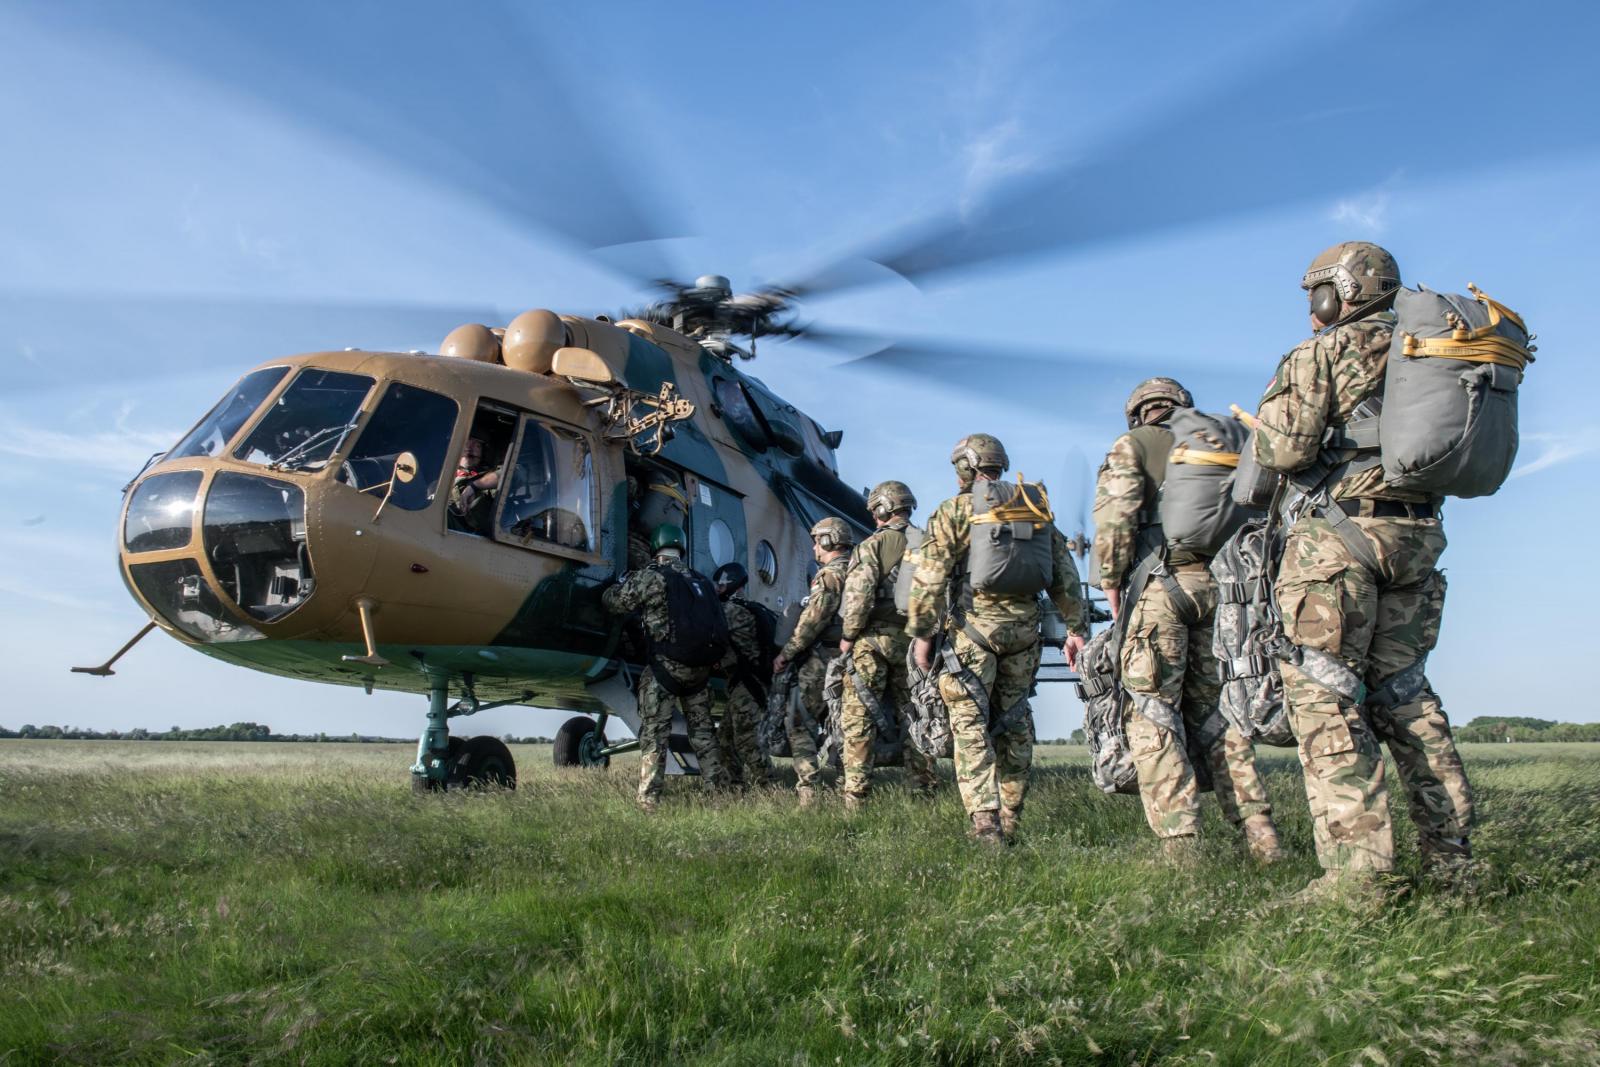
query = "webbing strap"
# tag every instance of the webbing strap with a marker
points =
(969, 681)
(1159, 712)
(1330, 672)
(880, 714)
(1185, 454)
(1348, 532)
(1500, 350)
(1188, 611)
(1007, 720)
(1401, 687)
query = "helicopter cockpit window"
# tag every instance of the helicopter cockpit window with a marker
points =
(308, 422)
(734, 404)
(214, 431)
(408, 419)
(549, 489)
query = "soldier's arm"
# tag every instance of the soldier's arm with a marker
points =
(820, 607)
(1294, 409)
(943, 548)
(1118, 496)
(742, 632)
(625, 597)
(860, 588)
(1066, 592)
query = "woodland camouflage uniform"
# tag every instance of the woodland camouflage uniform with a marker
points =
(1378, 621)
(991, 772)
(812, 646)
(736, 734)
(645, 592)
(1167, 665)
(878, 632)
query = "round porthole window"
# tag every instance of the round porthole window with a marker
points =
(720, 539)
(767, 563)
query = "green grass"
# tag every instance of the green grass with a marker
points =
(162, 902)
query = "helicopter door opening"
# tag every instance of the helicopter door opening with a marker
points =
(547, 490)
(474, 490)
(716, 527)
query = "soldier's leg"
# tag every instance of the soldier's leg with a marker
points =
(703, 737)
(892, 651)
(1013, 747)
(1154, 656)
(727, 738)
(745, 751)
(802, 722)
(1328, 600)
(655, 725)
(1229, 754)
(855, 724)
(969, 729)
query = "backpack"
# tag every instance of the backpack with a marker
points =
(1010, 552)
(1253, 484)
(697, 631)
(906, 569)
(1449, 424)
(1110, 762)
(1196, 504)
(766, 639)
(1248, 633)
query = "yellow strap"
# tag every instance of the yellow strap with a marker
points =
(1497, 309)
(1501, 350)
(1243, 416)
(1019, 508)
(1185, 454)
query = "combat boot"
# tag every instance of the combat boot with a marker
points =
(854, 803)
(648, 805)
(807, 796)
(986, 829)
(1362, 892)
(1182, 851)
(1261, 839)
(1446, 861)
(1010, 819)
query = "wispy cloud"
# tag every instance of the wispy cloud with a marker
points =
(1554, 449)
(117, 449)
(1369, 213)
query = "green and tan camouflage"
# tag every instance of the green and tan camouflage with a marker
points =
(1167, 391)
(1125, 491)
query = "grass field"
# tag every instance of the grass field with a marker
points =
(213, 902)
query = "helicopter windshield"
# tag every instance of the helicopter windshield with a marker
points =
(548, 496)
(308, 422)
(214, 432)
(407, 419)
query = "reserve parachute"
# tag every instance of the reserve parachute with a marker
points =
(697, 631)
(1196, 503)
(906, 569)
(1011, 552)
(1449, 422)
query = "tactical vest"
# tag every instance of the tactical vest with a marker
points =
(890, 544)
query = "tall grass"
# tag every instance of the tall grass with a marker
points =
(162, 902)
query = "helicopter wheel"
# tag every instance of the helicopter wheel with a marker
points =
(579, 744)
(474, 763)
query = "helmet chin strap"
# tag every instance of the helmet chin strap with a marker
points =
(1379, 303)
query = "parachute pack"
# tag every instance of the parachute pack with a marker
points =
(927, 719)
(1449, 424)
(1248, 634)
(1197, 506)
(1110, 762)
(906, 570)
(766, 638)
(1010, 552)
(697, 631)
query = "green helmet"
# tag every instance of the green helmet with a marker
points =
(1359, 270)
(1167, 391)
(978, 451)
(667, 536)
(889, 497)
(832, 533)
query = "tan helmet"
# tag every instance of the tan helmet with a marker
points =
(1359, 270)
(889, 497)
(978, 451)
(833, 533)
(1168, 391)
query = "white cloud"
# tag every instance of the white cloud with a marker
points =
(1554, 449)
(119, 449)
(1370, 213)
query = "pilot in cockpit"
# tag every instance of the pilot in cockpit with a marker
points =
(472, 495)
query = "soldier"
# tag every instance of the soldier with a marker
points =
(746, 669)
(814, 643)
(875, 640)
(667, 683)
(1166, 662)
(995, 643)
(655, 498)
(1358, 587)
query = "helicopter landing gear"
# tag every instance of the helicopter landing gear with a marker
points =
(445, 762)
(581, 742)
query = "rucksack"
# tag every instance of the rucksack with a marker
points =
(766, 638)
(906, 569)
(1110, 762)
(1248, 633)
(1196, 504)
(1449, 423)
(1010, 552)
(697, 631)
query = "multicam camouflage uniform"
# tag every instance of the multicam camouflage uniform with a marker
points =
(1378, 621)
(992, 773)
(646, 592)
(878, 632)
(813, 645)
(1166, 662)
(746, 702)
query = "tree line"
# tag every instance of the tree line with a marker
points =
(239, 731)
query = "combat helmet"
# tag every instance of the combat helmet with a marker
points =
(1356, 271)
(889, 497)
(833, 533)
(978, 451)
(729, 579)
(1167, 391)
(667, 536)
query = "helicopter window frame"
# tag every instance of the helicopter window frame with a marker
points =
(590, 523)
(307, 450)
(420, 493)
(188, 446)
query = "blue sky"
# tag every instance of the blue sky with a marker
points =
(192, 189)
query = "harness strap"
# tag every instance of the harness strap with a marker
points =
(1401, 687)
(875, 706)
(665, 679)
(1159, 712)
(969, 681)
(1007, 720)
(1188, 611)
(1330, 672)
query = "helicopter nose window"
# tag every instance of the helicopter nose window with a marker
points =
(408, 419)
(177, 591)
(161, 513)
(549, 489)
(255, 538)
(214, 432)
(306, 425)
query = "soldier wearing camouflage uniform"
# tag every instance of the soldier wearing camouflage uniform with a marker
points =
(995, 637)
(1166, 663)
(645, 591)
(1358, 587)
(812, 646)
(742, 668)
(876, 642)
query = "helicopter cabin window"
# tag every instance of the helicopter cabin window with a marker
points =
(766, 563)
(408, 419)
(475, 489)
(213, 432)
(549, 489)
(308, 422)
